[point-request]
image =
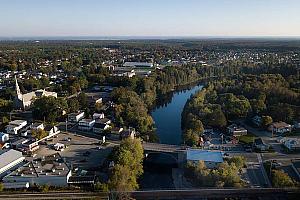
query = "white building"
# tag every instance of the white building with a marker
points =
(9, 159)
(138, 64)
(3, 137)
(51, 170)
(98, 115)
(14, 126)
(75, 117)
(23, 101)
(86, 124)
(210, 158)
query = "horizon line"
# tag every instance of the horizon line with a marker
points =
(140, 37)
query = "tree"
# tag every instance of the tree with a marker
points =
(73, 105)
(128, 158)
(266, 120)
(1, 187)
(49, 108)
(281, 179)
(39, 134)
(191, 138)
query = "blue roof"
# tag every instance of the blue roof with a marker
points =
(207, 156)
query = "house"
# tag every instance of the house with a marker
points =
(260, 144)
(210, 158)
(18, 142)
(257, 120)
(130, 133)
(103, 121)
(292, 144)
(51, 130)
(14, 126)
(36, 126)
(236, 130)
(3, 137)
(116, 130)
(9, 159)
(24, 101)
(280, 127)
(98, 115)
(50, 170)
(99, 127)
(75, 117)
(86, 124)
(30, 146)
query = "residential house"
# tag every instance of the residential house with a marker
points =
(3, 137)
(116, 130)
(236, 130)
(280, 127)
(75, 117)
(260, 144)
(50, 170)
(52, 130)
(210, 158)
(257, 120)
(292, 144)
(86, 124)
(103, 121)
(15, 126)
(98, 115)
(129, 133)
(99, 127)
(36, 126)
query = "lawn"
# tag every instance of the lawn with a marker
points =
(247, 139)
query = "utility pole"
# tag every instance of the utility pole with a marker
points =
(66, 125)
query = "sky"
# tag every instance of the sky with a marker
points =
(22, 18)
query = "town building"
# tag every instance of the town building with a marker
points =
(138, 64)
(24, 101)
(280, 127)
(86, 124)
(15, 126)
(3, 137)
(236, 130)
(36, 126)
(75, 117)
(260, 145)
(210, 158)
(129, 133)
(99, 127)
(292, 144)
(9, 159)
(50, 170)
(98, 115)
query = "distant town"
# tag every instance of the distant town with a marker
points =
(123, 117)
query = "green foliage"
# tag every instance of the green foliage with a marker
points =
(49, 108)
(6, 105)
(128, 158)
(131, 111)
(101, 187)
(225, 175)
(281, 179)
(191, 138)
(39, 134)
(73, 105)
(1, 187)
(266, 120)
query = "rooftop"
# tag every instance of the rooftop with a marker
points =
(207, 156)
(52, 165)
(9, 156)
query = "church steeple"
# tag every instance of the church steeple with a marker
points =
(19, 94)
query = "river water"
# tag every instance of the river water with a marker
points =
(167, 115)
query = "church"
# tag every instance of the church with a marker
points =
(24, 101)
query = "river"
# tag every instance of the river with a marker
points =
(167, 115)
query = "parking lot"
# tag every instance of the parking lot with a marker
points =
(80, 150)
